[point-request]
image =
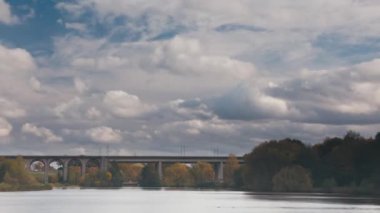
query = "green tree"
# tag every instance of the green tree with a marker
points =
(267, 159)
(292, 179)
(3, 168)
(377, 137)
(149, 176)
(239, 181)
(116, 175)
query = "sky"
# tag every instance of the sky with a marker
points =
(185, 77)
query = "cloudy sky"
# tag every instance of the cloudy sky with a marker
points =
(159, 77)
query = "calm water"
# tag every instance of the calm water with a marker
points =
(166, 201)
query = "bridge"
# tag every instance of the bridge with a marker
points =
(103, 161)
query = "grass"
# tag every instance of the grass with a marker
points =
(11, 188)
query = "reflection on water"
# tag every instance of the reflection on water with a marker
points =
(316, 198)
(165, 201)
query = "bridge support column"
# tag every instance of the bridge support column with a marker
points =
(28, 164)
(46, 171)
(65, 170)
(220, 171)
(83, 166)
(159, 170)
(103, 164)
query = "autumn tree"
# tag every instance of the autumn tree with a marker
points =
(15, 177)
(230, 168)
(203, 174)
(74, 175)
(95, 177)
(16, 174)
(131, 172)
(177, 175)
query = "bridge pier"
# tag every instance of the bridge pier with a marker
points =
(103, 164)
(83, 163)
(159, 170)
(28, 164)
(46, 171)
(65, 170)
(219, 171)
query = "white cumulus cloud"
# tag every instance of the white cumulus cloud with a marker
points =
(80, 86)
(15, 60)
(93, 113)
(11, 109)
(68, 107)
(46, 134)
(35, 83)
(5, 127)
(122, 104)
(17, 67)
(186, 56)
(6, 14)
(104, 134)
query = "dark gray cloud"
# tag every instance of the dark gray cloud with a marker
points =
(233, 27)
(341, 96)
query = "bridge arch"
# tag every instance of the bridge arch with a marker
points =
(74, 170)
(36, 165)
(40, 168)
(56, 170)
(92, 166)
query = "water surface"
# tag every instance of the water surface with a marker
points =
(185, 201)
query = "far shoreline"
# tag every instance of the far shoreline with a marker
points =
(253, 193)
(337, 192)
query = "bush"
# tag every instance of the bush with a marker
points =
(329, 184)
(292, 179)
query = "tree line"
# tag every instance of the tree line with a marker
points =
(349, 164)
(201, 174)
(14, 175)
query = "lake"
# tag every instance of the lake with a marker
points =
(138, 200)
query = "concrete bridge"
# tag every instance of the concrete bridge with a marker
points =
(102, 162)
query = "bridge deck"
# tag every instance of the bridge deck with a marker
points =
(141, 159)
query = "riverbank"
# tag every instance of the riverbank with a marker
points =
(356, 191)
(338, 191)
(344, 191)
(341, 191)
(11, 188)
